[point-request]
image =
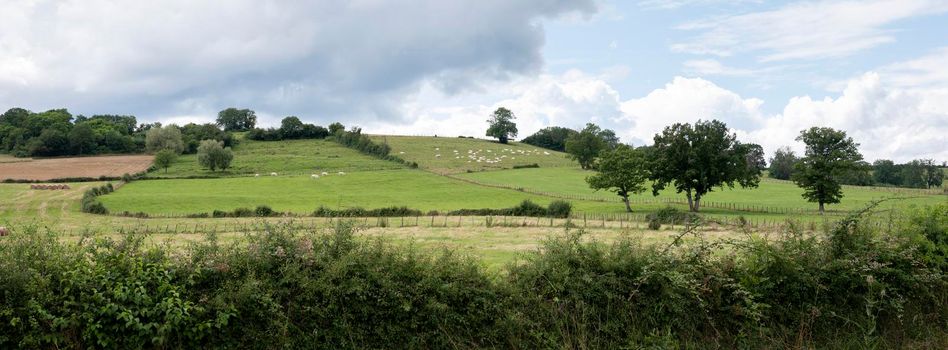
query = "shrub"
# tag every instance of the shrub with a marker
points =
(263, 211)
(242, 213)
(672, 216)
(525, 166)
(560, 208)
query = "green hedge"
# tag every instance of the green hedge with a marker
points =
(851, 287)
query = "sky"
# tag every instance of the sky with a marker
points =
(877, 69)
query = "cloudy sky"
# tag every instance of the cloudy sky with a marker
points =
(877, 69)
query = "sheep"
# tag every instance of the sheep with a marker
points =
(4, 231)
(437, 156)
(342, 173)
(314, 176)
(256, 175)
(325, 174)
(274, 174)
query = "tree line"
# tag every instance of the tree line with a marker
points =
(697, 159)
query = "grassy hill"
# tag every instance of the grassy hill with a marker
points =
(297, 157)
(453, 155)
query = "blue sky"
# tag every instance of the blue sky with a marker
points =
(877, 69)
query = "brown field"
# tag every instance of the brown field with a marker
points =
(56, 168)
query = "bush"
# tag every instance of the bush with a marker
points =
(525, 166)
(263, 211)
(560, 208)
(671, 216)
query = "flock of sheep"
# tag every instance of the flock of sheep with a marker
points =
(494, 157)
(313, 176)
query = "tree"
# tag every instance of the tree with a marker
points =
(213, 155)
(81, 138)
(623, 170)
(291, 127)
(553, 138)
(913, 174)
(233, 119)
(586, 145)
(502, 126)
(697, 159)
(166, 137)
(781, 164)
(164, 158)
(829, 154)
(885, 171)
(933, 174)
(336, 127)
(754, 157)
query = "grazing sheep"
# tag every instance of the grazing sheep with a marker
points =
(342, 173)
(314, 176)
(437, 156)
(325, 173)
(4, 231)
(256, 175)
(273, 174)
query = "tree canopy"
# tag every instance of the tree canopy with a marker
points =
(552, 138)
(213, 155)
(696, 159)
(502, 126)
(829, 155)
(586, 145)
(233, 119)
(166, 137)
(781, 164)
(623, 170)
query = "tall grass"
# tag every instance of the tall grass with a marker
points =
(851, 287)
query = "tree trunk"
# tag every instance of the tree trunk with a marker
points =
(821, 208)
(691, 203)
(697, 204)
(628, 207)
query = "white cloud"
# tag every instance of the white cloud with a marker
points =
(326, 59)
(928, 71)
(687, 100)
(675, 4)
(889, 121)
(807, 30)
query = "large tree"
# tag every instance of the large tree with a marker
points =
(781, 164)
(164, 158)
(586, 145)
(829, 155)
(553, 138)
(502, 126)
(885, 171)
(291, 127)
(233, 119)
(166, 137)
(213, 155)
(696, 159)
(623, 170)
(934, 176)
(82, 139)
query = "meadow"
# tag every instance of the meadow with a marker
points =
(458, 155)
(288, 157)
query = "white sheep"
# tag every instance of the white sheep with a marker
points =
(314, 176)
(325, 173)
(256, 175)
(437, 156)
(342, 173)
(273, 174)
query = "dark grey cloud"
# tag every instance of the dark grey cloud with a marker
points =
(321, 60)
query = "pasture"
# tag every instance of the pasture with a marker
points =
(773, 194)
(451, 155)
(297, 157)
(75, 167)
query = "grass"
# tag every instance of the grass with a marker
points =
(423, 150)
(413, 188)
(771, 193)
(297, 157)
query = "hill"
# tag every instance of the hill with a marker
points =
(452, 155)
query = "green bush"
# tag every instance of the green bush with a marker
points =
(264, 211)
(560, 208)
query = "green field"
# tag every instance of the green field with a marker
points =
(459, 155)
(770, 194)
(296, 157)
(301, 194)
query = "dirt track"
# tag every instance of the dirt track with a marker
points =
(55, 168)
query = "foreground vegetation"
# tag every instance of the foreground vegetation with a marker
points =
(851, 287)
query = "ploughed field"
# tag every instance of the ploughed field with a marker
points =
(76, 167)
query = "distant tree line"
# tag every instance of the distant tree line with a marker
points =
(919, 173)
(291, 128)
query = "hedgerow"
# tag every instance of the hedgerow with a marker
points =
(854, 286)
